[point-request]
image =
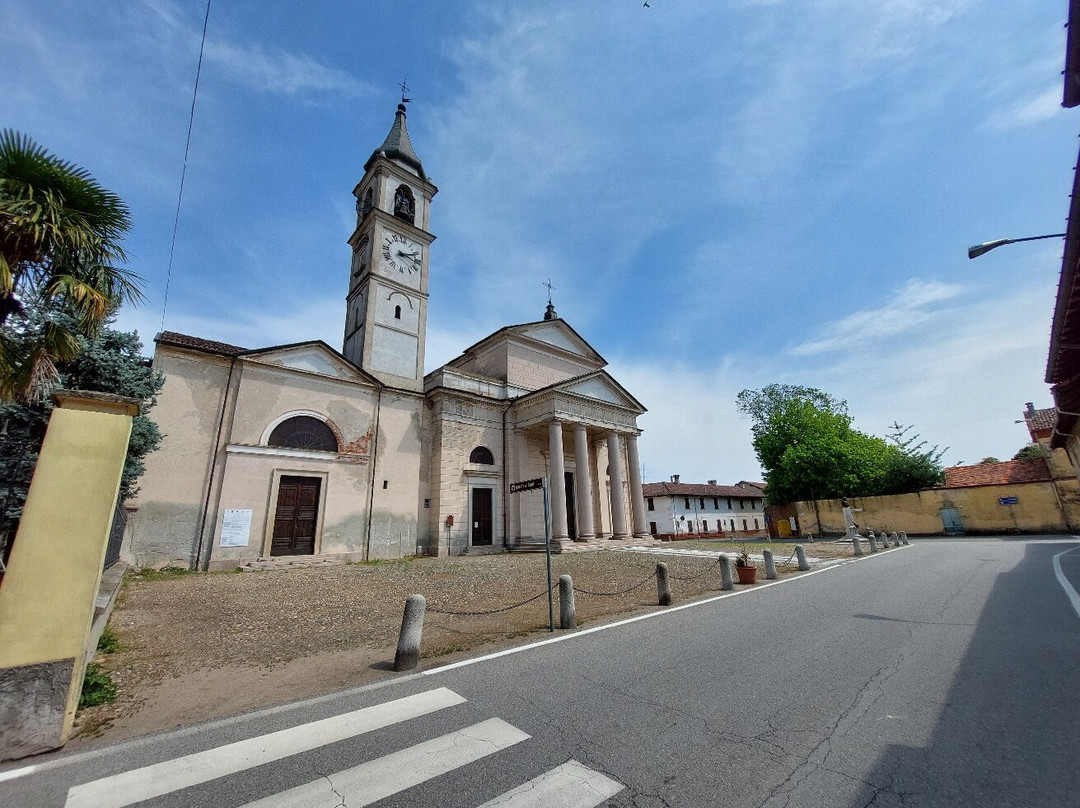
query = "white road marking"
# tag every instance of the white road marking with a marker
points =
(11, 774)
(171, 775)
(1070, 591)
(570, 785)
(379, 778)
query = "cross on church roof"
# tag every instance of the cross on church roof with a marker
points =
(404, 90)
(550, 313)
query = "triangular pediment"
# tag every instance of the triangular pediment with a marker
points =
(310, 357)
(559, 335)
(599, 386)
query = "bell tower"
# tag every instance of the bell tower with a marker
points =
(386, 307)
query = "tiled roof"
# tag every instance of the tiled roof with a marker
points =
(1009, 472)
(198, 344)
(699, 490)
(1041, 419)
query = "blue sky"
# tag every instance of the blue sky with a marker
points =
(724, 194)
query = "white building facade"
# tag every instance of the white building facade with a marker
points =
(684, 510)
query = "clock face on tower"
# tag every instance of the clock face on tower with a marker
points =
(401, 253)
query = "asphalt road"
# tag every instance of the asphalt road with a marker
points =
(942, 674)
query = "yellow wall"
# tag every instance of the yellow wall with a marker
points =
(47, 597)
(1038, 511)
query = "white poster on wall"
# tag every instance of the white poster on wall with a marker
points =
(235, 527)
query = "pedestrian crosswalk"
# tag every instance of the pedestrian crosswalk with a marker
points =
(569, 784)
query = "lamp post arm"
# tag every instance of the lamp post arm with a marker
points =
(981, 249)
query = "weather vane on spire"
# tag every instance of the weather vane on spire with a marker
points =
(404, 90)
(550, 314)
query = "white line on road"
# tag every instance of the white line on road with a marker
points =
(171, 775)
(570, 785)
(11, 774)
(1070, 591)
(379, 778)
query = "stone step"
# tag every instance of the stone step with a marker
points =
(291, 563)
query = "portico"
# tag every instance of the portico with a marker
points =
(587, 448)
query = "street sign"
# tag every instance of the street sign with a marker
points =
(1008, 500)
(527, 485)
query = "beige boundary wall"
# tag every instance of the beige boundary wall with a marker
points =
(1042, 507)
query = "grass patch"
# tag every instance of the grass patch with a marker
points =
(98, 687)
(109, 643)
(163, 574)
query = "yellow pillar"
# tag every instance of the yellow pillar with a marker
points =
(53, 575)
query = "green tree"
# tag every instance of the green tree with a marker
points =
(110, 362)
(916, 466)
(1030, 452)
(60, 250)
(808, 448)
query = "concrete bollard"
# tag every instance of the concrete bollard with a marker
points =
(412, 627)
(725, 573)
(894, 539)
(903, 538)
(663, 588)
(856, 543)
(567, 612)
(873, 543)
(770, 565)
(800, 554)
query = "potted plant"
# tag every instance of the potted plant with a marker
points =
(746, 571)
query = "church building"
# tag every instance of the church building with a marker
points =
(299, 450)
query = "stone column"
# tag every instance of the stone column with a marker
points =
(521, 529)
(637, 499)
(556, 470)
(601, 520)
(583, 484)
(618, 500)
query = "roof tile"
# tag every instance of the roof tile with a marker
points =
(1009, 472)
(198, 344)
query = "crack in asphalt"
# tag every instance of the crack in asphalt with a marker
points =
(818, 756)
(330, 782)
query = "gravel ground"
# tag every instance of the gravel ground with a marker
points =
(276, 636)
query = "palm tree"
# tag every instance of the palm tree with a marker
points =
(60, 235)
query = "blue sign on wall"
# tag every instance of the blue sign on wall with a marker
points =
(1008, 500)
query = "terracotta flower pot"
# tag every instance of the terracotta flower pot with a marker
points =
(747, 575)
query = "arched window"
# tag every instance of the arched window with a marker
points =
(303, 432)
(482, 455)
(397, 312)
(367, 204)
(404, 204)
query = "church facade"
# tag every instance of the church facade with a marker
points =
(299, 450)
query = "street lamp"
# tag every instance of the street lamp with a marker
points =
(980, 249)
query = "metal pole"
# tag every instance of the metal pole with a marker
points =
(547, 552)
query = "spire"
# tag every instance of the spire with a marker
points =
(397, 145)
(550, 313)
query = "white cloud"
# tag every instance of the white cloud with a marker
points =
(908, 310)
(280, 71)
(1031, 110)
